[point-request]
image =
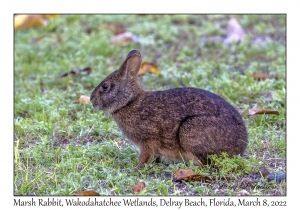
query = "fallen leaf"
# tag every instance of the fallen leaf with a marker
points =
(189, 175)
(148, 68)
(123, 38)
(139, 187)
(255, 111)
(88, 193)
(75, 71)
(26, 21)
(82, 99)
(235, 32)
(263, 76)
(115, 28)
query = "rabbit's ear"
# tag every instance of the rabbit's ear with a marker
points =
(132, 64)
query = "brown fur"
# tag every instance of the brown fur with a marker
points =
(181, 123)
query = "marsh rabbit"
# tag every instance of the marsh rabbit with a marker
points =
(181, 124)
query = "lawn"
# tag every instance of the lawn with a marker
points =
(62, 147)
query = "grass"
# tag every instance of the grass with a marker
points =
(61, 148)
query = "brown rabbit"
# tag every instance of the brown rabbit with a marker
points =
(181, 123)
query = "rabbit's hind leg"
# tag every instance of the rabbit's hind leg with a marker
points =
(197, 139)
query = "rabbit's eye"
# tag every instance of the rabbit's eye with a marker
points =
(105, 86)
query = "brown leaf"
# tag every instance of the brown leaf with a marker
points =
(115, 28)
(88, 193)
(75, 71)
(123, 38)
(82, 99)
(189, 176)
(139, 187)
(148, 68)
(255, 111)
(27, 21)
(263, 76)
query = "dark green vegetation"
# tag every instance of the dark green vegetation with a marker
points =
(61, 148)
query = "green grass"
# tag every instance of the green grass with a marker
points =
(61, 148)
